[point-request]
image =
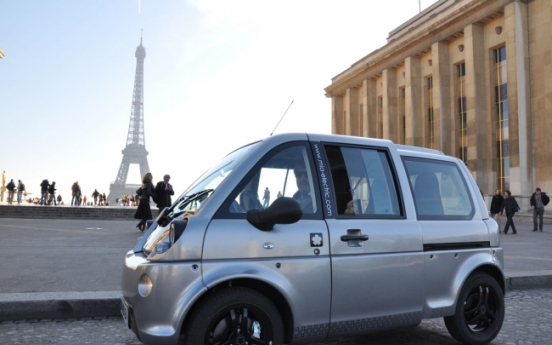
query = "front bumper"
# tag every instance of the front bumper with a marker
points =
(157, 318)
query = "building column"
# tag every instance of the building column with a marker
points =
(413, 102)
(390, 110)
(520, 119)
(479, 120)
(370, 109)
(442, 111)
(337, 115)
(351, 112)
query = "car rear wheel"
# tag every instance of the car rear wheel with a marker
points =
(479, 311)
(235, 316)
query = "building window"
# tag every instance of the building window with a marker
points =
(380, 117)
(430, 123)
(501, 119)
(402, 115)
(462, 113)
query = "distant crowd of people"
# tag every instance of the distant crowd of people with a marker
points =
(48, 192)
(49, 195)
(128, 200)
(98, 199)
(507, 204)
(13, 188)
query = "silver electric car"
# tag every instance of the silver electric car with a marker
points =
(300, 238)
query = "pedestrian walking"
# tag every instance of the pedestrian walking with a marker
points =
(95, 196)
(124, 198)
(510, 205)
(163, 192)
(44, 191)
(84, 200)
(11, 190)
(20, 191)
(266, 198)
(143, 212)
(100, 199)
(75, 194)
(496, 204)
(538, 200)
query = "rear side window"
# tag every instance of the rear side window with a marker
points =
(439, 190)
(364, 183)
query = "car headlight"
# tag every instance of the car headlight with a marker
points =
(145, 285)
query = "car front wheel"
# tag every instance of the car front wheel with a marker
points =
(479, 311)
(235, 315)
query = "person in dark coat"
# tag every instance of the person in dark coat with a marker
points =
(511, 206)
(538, 200)
(11, 190)
(44, 190)
(496, 204)
(163, 192)
(143, 212)
(95, 195)
(52, 190)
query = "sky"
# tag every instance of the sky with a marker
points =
(218, 74)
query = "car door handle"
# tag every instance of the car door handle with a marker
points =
(346, 238)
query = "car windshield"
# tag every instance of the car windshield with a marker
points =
(193, 198)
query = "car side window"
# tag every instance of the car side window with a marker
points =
(439, 190)
(364, 183)
(284, 172)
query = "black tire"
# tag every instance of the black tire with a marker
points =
(479, 311)
(222, 317)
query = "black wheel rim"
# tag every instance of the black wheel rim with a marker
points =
(481, 308)
(239, 325)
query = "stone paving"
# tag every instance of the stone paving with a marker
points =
(527, 322)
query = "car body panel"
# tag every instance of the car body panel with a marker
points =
(294, 279)
(282, 258)
(157, 316)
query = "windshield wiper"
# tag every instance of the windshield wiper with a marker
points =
(187, 198)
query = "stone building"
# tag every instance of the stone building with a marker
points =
(471, 78)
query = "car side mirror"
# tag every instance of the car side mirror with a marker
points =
(162, 218)
(282, 211)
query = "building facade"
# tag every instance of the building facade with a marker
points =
(471, 78)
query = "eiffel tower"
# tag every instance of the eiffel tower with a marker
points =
(135, 150)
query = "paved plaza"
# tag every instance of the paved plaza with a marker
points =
(527, 322)
(63, 255)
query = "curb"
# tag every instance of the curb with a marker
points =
(529, 280)
(72, 305)
(59, 305)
